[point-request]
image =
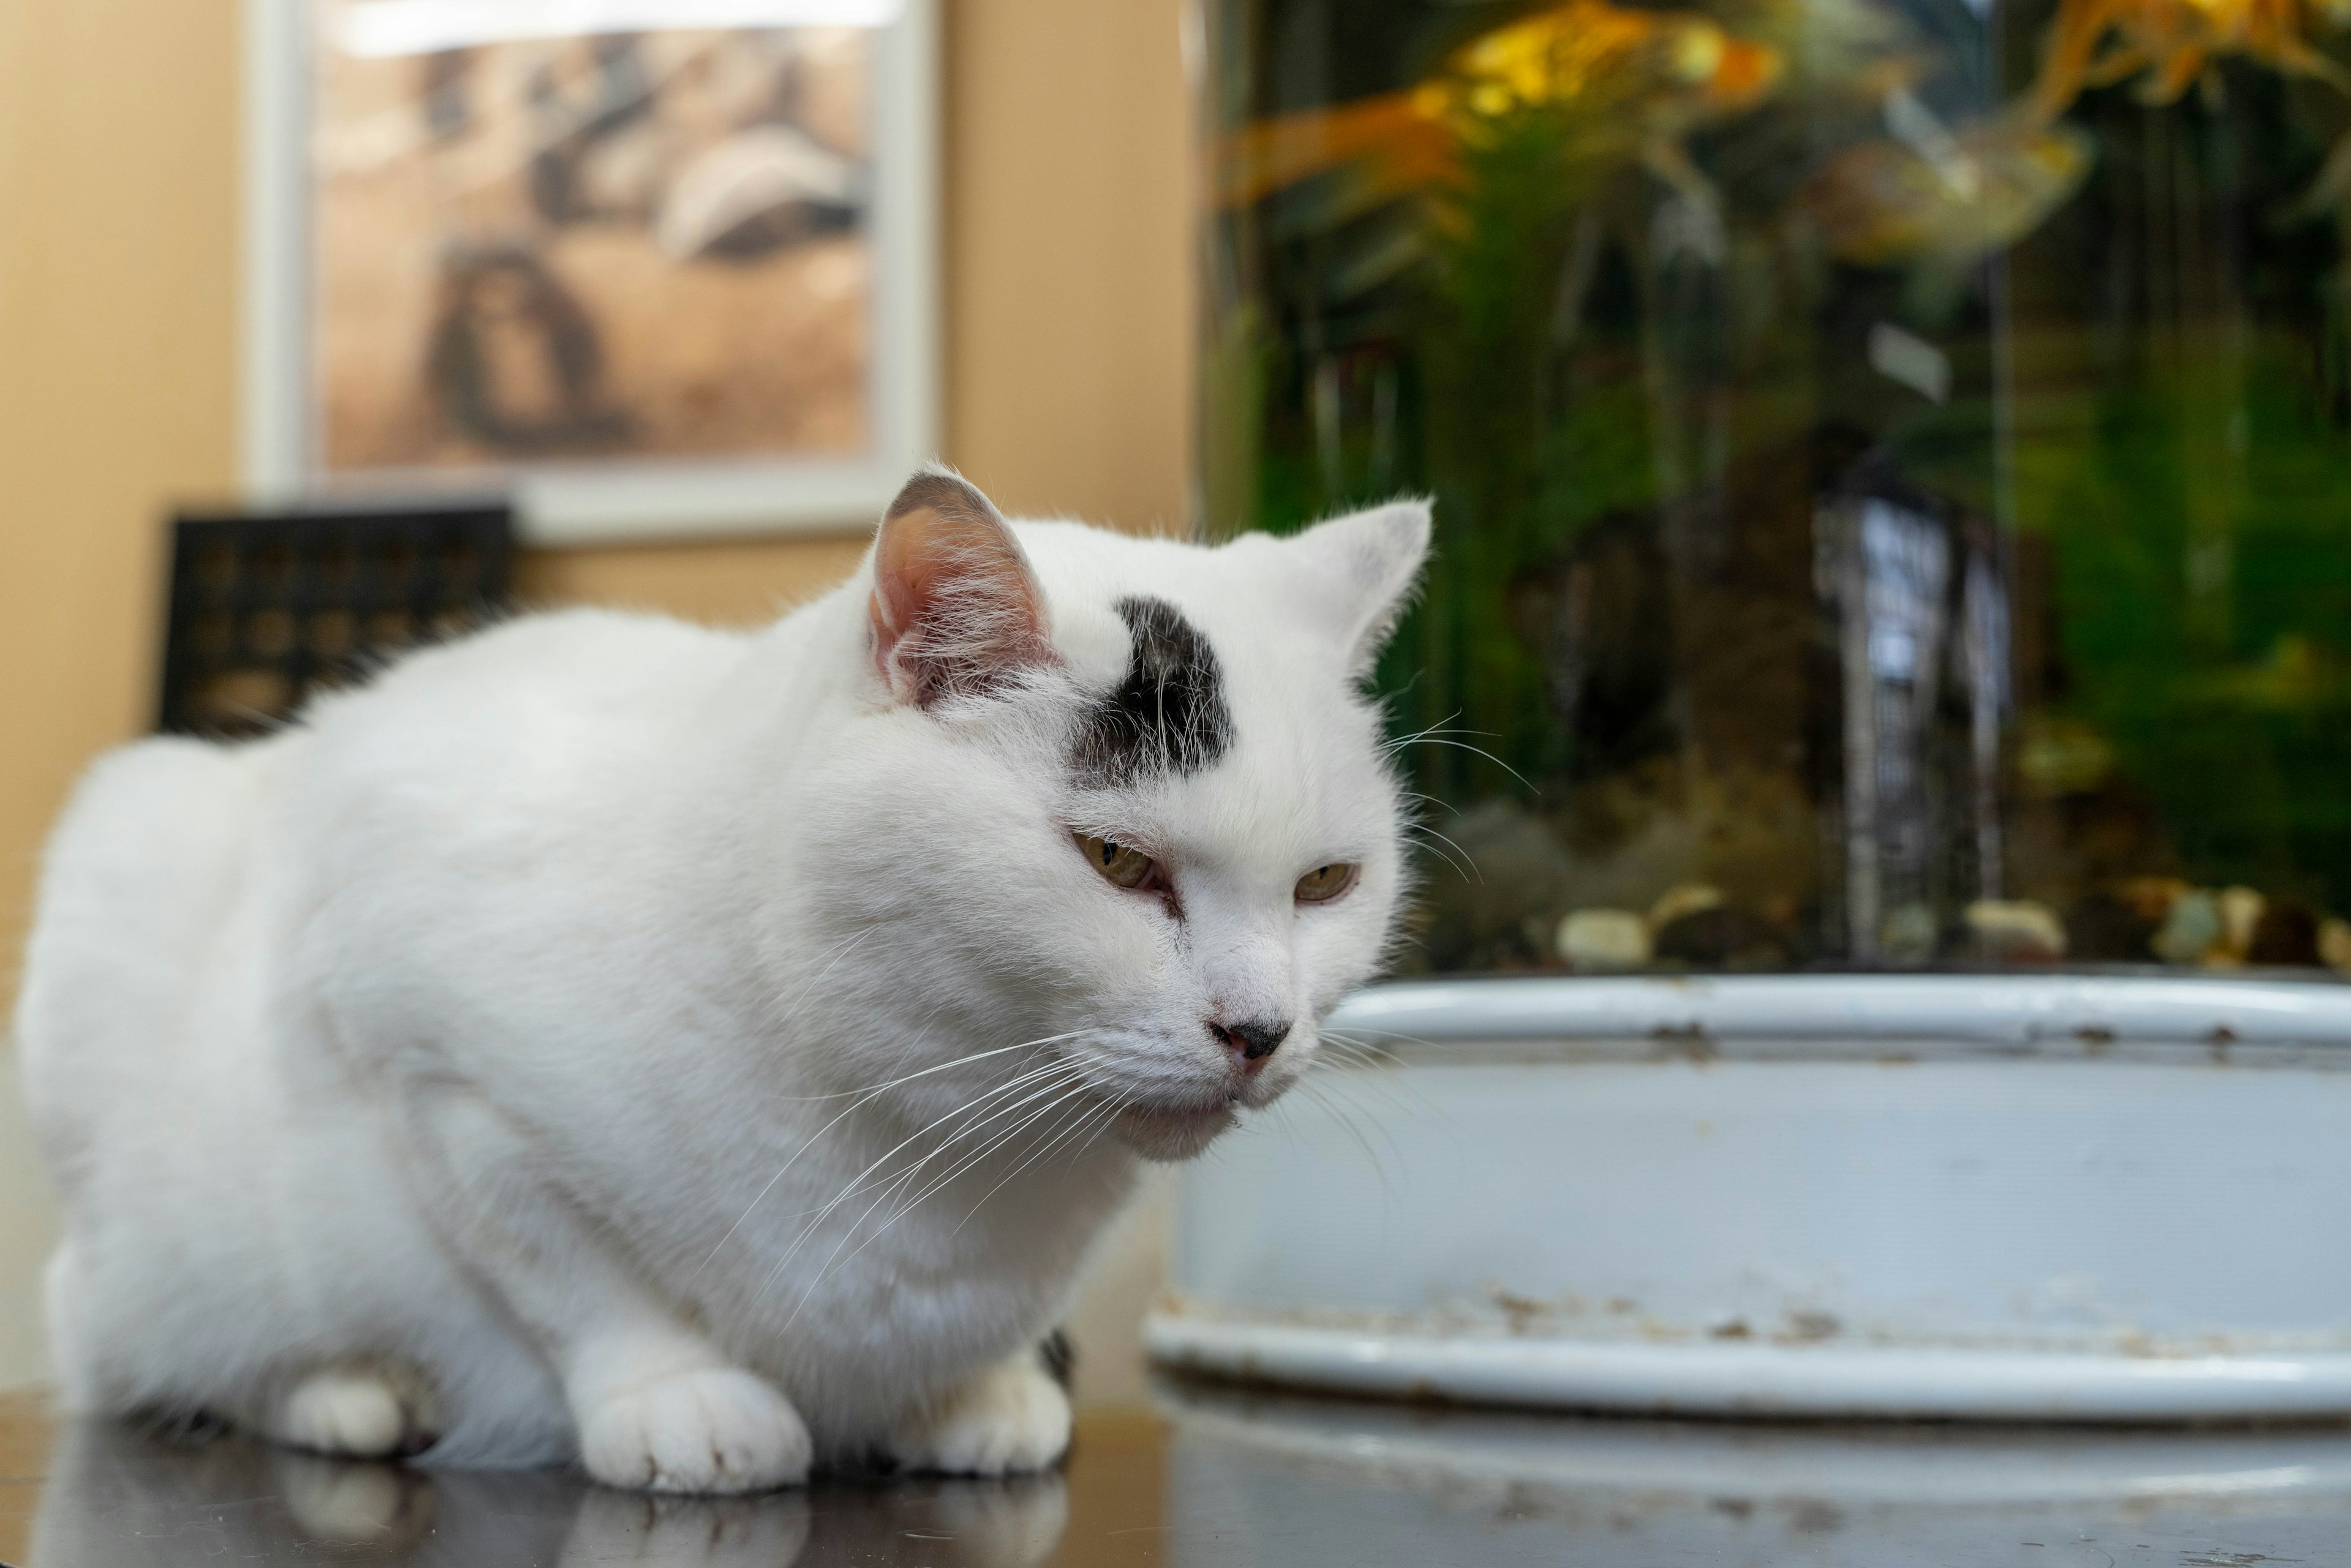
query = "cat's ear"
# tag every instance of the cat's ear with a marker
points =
(955, 611)
(1364, 566)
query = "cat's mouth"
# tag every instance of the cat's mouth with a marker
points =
(1172, 1132)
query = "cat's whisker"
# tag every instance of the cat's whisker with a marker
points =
(1361, 1049)
(1039, 1144)
(1399, 1090)
(1395, 741)
(1052, 1095)
(1344, 1117)
(1353, 1054)
(1399, 1037)
(865, 1097)
(1478, 751)
(858, 1182)
(1367, 1084)
(1442, 726)
(943, 1181)
(927, 1071)
(1353, 1049)
(976, 1114)
(1353, 1089)
(825, 1271)
(1464, 864)
(1109, 1119)
(877, 1176)
(1086, 1113)
(1281, 1116)
(836, 953)
(1083, 1084)
(1441, 733)
(1371, 1089)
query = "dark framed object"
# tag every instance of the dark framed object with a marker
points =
(266, 609)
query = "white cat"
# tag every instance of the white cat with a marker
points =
(706, 1054)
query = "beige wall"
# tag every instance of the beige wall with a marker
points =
(1067, 363)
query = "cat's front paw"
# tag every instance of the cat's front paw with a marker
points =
(713, 1430)
(354, 1412)
(1010, 1420)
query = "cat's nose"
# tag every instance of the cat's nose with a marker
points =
(1250, 1040)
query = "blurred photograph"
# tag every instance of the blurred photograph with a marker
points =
(597, 246)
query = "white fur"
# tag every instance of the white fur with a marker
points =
(507, 1025)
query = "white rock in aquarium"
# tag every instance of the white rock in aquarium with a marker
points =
(2192, 930)
(2335, 944)
(1689, 898)
(2015, 928)
(2241, 912)
(1908, 934)
(1603, 939)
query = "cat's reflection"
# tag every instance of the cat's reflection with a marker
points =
(953, 1524)
(118, 1497)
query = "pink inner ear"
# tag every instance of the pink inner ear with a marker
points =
(955, 611)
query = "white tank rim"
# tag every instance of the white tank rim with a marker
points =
(1763, 1380)
(2006, 1009)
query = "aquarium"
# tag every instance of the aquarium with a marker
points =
(1892, 461)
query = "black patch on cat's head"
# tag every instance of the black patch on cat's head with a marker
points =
(1168, 716)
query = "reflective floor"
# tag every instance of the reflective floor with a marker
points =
(1215, 1479)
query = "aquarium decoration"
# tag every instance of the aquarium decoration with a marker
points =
(1892, 461)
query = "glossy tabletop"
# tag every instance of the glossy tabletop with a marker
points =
(1239, 1482)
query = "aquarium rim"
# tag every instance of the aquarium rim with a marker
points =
(1756, 1381)
(2013, 1010)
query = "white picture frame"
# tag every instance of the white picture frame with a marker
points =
(621, 500)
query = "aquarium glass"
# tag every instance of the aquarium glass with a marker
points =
(1892, 461)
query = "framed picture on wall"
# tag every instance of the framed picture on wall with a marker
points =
(651, 266)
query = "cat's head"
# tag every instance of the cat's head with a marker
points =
(1130, 796)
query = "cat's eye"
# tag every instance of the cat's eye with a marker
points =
(1121, 863)
(1325, 882)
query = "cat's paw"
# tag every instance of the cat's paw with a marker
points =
(1010, 1420)
(352, 1412)
(713, 1430)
